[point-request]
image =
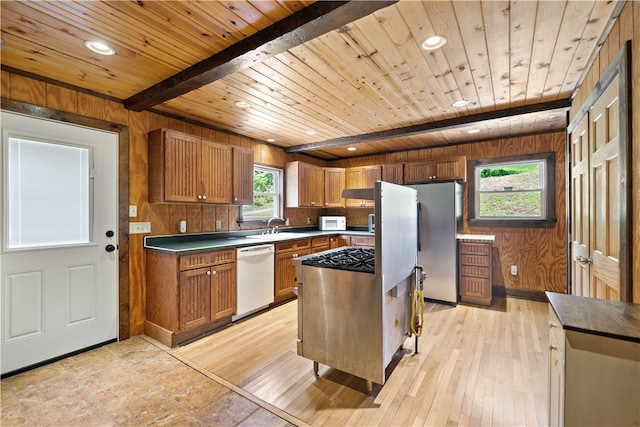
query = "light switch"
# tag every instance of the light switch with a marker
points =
(133, 211)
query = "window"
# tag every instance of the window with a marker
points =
(48, 194)
(267, 195)
(514, 191)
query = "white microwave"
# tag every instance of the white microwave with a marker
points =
(332, 223)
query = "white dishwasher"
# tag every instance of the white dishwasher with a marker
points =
(254, 279)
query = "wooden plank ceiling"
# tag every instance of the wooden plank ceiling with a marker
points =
(366, 83)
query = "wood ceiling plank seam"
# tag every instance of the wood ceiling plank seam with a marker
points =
(575, 17)
(443, 19)
(496, 24)
(547, 27)
(407, 72)
(415, 17)
(277, 10)
(597, 23)
(250, 14)
(382, 74)
(469, 17)
(521, 43)
(332, 68)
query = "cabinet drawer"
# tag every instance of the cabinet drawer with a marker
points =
(480, 260)
(475, 287)
(475, 271)
(363, 241)
(294, 245)
(556, 333)
(318, 242)
(204, 259)
(475, 248)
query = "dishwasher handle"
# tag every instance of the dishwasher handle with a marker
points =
(254, 251)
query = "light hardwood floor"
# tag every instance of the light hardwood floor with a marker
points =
(475, 366)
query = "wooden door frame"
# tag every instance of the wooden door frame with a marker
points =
(123, 191)
(619, 67)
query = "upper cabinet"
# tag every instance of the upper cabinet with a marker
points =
(362, 177)
(435, 170)
(185, 168)
(334, 180)
(305, 185)
(393, 173)
(242, 176)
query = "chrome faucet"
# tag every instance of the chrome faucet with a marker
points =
(269, 224)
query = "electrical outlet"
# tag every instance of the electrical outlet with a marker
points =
(308, 220)
(182, 226)
(218, 224)
(133, 211)
(514, 270)
(139, 227)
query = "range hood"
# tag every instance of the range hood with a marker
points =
(359, 193)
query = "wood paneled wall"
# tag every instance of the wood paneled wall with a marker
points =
(627, 27)
(539, 253)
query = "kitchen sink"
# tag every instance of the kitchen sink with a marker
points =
(278, 236)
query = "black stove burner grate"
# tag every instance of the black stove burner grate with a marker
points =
(350, 259)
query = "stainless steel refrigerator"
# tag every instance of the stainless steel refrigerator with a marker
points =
(439, 221)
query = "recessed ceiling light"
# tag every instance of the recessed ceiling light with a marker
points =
(271, 140)
(99, 47)
(311, 132)
(243, 104)
(433, 42)
(472, 131)
(351, 149)
(460, 103)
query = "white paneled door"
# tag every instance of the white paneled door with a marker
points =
(59, 259)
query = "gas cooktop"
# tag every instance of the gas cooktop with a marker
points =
(350, 259)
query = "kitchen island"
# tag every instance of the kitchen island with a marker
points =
(594, 361)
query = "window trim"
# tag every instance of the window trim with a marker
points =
(280, 194)
(550, 218)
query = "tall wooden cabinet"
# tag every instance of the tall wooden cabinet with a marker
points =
(185, 168)
(189, 295)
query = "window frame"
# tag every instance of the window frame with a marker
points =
(279, 195)
(548, 219)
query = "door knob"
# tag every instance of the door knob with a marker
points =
(109, 233)
(110, 248)
(582, 260)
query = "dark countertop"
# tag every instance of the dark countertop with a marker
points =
(612, 319)
(188, 243)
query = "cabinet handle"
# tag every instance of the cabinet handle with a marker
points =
(553, 325)
(208, 272)
(214, 272)
(199, 196)
(553, 347)
(313, 203)
(235, 199)
(204, 197)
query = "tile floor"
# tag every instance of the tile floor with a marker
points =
(128, 383)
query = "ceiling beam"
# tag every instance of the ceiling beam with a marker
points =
(442, 125)
(313, 21)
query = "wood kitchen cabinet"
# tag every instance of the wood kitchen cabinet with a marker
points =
(185, 168)
(363, 241)
(189, 295)
(334, 183)
(242, 176)
(436, 170)
(305, 185)
(339, 241)
(319, 244)
(285, 272)
(362, 177)
(393, 173)
(475, 271)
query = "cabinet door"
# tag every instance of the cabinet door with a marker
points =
(242, 176)
(394, 173)
(364, 241)
(311, 190)
(334, 181)
(216, 170)
(370, 174)
(181, 167)
(223, 290)
(451, 169)
(353, 179)
(418, 172)
(194, 291)
(339, 241)
(285, 274)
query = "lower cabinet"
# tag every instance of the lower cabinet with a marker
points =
(363, 241)
(189, 295)
(475, 272)
(339, 241)
(285, 272)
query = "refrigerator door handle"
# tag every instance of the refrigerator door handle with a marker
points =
(419, 226)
